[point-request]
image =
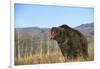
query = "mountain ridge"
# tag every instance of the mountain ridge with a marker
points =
(28, 32)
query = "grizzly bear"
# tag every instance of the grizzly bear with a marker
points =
(72, 43)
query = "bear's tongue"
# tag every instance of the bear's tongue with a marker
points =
(53, 34)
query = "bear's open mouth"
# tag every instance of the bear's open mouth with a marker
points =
(53, 35)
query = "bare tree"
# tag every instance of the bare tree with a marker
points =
(48, 44)
(18, 46)
(41, 42)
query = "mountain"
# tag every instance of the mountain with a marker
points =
(86, 29)
(29, 32)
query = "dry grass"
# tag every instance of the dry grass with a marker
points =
(36, 59)
(54, 57)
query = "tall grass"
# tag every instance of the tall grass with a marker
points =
(43, 51)
(51, 58)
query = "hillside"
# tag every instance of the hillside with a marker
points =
(32, 31)
(86, 29)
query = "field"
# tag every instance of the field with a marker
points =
(42, 50)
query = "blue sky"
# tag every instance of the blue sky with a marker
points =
(29, 15)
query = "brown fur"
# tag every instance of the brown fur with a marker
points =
(71, 42)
